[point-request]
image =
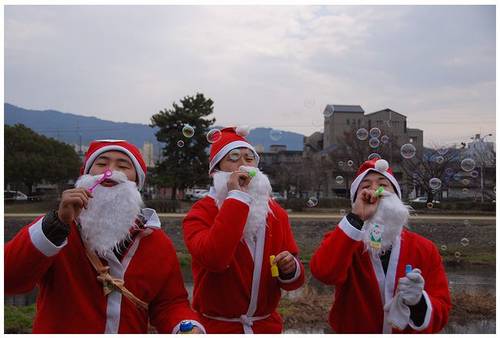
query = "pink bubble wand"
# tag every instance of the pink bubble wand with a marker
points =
(107, 174)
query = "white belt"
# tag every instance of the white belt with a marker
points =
(246, 321)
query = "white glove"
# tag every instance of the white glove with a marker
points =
(411, 287)
(398, 313)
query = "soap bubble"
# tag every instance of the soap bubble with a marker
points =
(342, 212)
(350, 163)
(309, 102)
(327, 113)
(339, 179)
(448, 171)
(465, 190)
(362, 134)
(312, 202)
(180, 143)
(214, 135)
(439, 159)
(384, 139)
(464, 242)
(408, 150)
(457, 254)
(430, 205)
(474, 174)
(187, 131)
(435, 183)
(467, 164)
(375, 133)
(444, 247)
(465, 181)
(275, 134)
(374, 142)
(374, 156)
(341, 163)
(466, 222)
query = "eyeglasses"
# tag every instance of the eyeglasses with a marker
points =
(235, 154)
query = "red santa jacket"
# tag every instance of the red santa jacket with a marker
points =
(362, 288)
(71, 299)
(232, 294)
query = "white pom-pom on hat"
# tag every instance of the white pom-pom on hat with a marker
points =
(243, 131)
(382, 165)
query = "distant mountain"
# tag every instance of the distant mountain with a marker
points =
(69, 128)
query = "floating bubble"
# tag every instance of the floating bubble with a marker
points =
(339, 179)
(430, 205)
(448, 171)
(180, 143)
(384, 139)
(464, 241)
(309, 103)
(341, 163)
(187, 131)
(465, 190)
(435, 183)
(350, 163)
(442, 151)
(362, 134)
(374, 156)
(312, 202)
(444, 247)
(388, 123)
(214, 135)
(474, 174)
(408, 150)
(466, 222)
(342, 212)
(465, 181)
(374, 142)
(275, 134)
(467, 164)
(327, 113)
(439, 159)
(375, 133)
(457, 254)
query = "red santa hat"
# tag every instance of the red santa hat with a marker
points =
(231, 138)
(99, 147)
(376, 165)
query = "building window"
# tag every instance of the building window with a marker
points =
(347, 121)
(359, 122)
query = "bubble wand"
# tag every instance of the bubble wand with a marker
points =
(107, 174)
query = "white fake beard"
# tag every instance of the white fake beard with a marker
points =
(111, 213)
(259, 189)
(391, 215)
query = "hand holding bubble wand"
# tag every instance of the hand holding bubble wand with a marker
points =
(107, 174)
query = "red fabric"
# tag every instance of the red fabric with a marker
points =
(370, 165)
(228, 135)
(357, 307)
(223, 266)
(71, 299)
(96, 145)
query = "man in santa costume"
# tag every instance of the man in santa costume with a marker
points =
(101, 262)
(387, 279)
(243, 249)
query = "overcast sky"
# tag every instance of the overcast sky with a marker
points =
(264, 66)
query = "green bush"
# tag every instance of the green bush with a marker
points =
(19, 319)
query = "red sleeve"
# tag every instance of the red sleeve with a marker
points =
(436, 287)
(171, 305)
(290, 245)
(213, 242)
(27, 258)
(331, 261)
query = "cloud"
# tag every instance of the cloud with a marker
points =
(274, 66)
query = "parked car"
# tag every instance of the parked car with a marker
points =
(9, 195)
(278, 197)
(198, 194)
(423, 199)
